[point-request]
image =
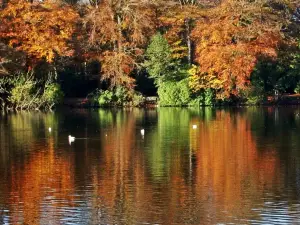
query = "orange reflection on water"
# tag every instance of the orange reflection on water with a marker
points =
(229, 166)
(43, 175)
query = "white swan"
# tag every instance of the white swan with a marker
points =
(194, 126)
(142, 132)
(71, 139)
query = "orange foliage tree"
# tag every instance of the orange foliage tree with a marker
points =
(229, 40)
(41, 30)
(118, 31)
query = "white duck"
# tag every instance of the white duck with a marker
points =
(71, 139)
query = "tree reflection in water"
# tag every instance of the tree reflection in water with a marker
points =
(238, 166)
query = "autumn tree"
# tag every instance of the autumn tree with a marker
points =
(177, 25)
(41, 30)
(177, 19)
(33, 34)
(117, 32)
(231, 37)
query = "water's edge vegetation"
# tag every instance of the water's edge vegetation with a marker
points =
(187, 53)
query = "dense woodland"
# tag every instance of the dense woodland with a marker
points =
(114, 52)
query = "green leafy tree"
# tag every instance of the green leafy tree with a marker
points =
(168, 74)
(159, 62)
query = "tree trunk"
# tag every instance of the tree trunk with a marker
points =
(120, 47)
(188, 40)
(120, 34)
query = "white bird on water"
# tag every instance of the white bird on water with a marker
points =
(194, 126)
(71, 139)
(142, 132)
(49, 129)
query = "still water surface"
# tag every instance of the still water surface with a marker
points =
(240, 166)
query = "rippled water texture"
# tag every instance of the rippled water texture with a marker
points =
(239, 166)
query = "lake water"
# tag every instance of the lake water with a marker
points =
(239, 166)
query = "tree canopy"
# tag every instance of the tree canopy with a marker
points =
(221, 44)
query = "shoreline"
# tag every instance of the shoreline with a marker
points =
(287, 99)
(85, 103)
